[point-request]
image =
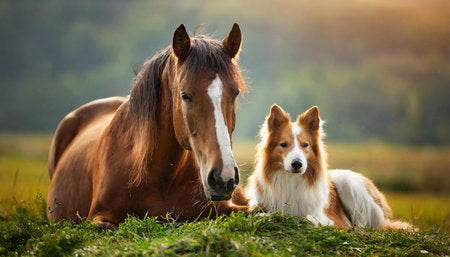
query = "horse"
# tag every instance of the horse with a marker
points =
(164, 150)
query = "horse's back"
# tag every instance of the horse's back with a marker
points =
(75, 122)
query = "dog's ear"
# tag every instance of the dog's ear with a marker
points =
(277, 118)
(310, 118)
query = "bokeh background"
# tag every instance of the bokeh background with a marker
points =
(379, 70)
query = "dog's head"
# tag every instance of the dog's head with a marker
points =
(294, 147)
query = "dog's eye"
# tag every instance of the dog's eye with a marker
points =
(187, 98)
(284, 144)
(305, 144)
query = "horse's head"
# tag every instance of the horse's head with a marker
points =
(207, 84)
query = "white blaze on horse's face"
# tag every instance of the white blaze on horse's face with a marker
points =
(223, 138)
(226, 180)
(295, 161)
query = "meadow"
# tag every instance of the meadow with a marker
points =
(415, 180)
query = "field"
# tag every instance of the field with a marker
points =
(415, 179)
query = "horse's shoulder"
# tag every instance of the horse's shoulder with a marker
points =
(75, 122)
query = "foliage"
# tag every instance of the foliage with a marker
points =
(377, 69)
(28, 232)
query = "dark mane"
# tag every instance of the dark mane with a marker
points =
(145, 99)
(146, 91)
(145, 96)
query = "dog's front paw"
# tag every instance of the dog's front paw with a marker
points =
(313, 220)
(263, 214)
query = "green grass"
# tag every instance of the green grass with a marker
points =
(25, 230)
(425, 211)
(23, 165)
(28, 232)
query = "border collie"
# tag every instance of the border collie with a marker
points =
(292, 177)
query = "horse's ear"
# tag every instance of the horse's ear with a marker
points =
(232, 42)
(277, 118)
(310, 118)
(181, 43)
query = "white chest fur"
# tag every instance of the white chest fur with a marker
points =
(291, 194)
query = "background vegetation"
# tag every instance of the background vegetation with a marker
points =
(377, 69)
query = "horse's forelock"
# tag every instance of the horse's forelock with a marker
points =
(208, 54)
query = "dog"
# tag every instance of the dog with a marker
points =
(292, 177)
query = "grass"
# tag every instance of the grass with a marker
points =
(425, 211)
(23, 165)
(25, 230)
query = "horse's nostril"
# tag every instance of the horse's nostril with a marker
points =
(296, 164)
(211, 180)
(236, 176)
(229, 185)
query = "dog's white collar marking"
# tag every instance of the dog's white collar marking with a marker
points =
(223, 138)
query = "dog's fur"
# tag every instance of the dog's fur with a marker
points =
(292, 176)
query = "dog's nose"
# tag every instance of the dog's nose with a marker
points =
(223, 189)
(296, 164)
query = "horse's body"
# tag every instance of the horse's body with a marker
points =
(164, 150)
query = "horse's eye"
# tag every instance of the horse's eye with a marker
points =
(236, 92)
(284, 144)
(186, 97)
(305, 144)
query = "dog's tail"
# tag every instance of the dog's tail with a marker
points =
(363, 203)
(397, 224)
(359, 205)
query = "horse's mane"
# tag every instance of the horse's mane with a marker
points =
(145, 96)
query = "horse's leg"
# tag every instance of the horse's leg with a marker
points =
(104, 222)
(106, 218)
(69, 195)
(227, 207)
(238, 197)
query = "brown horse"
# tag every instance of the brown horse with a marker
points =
(165, 149)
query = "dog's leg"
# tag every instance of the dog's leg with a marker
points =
(321, 219)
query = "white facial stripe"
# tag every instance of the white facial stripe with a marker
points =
(223, 138)
(296, 152)
(296, 130)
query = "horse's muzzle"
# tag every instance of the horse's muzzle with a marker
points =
(222, 190)
(220, 198)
